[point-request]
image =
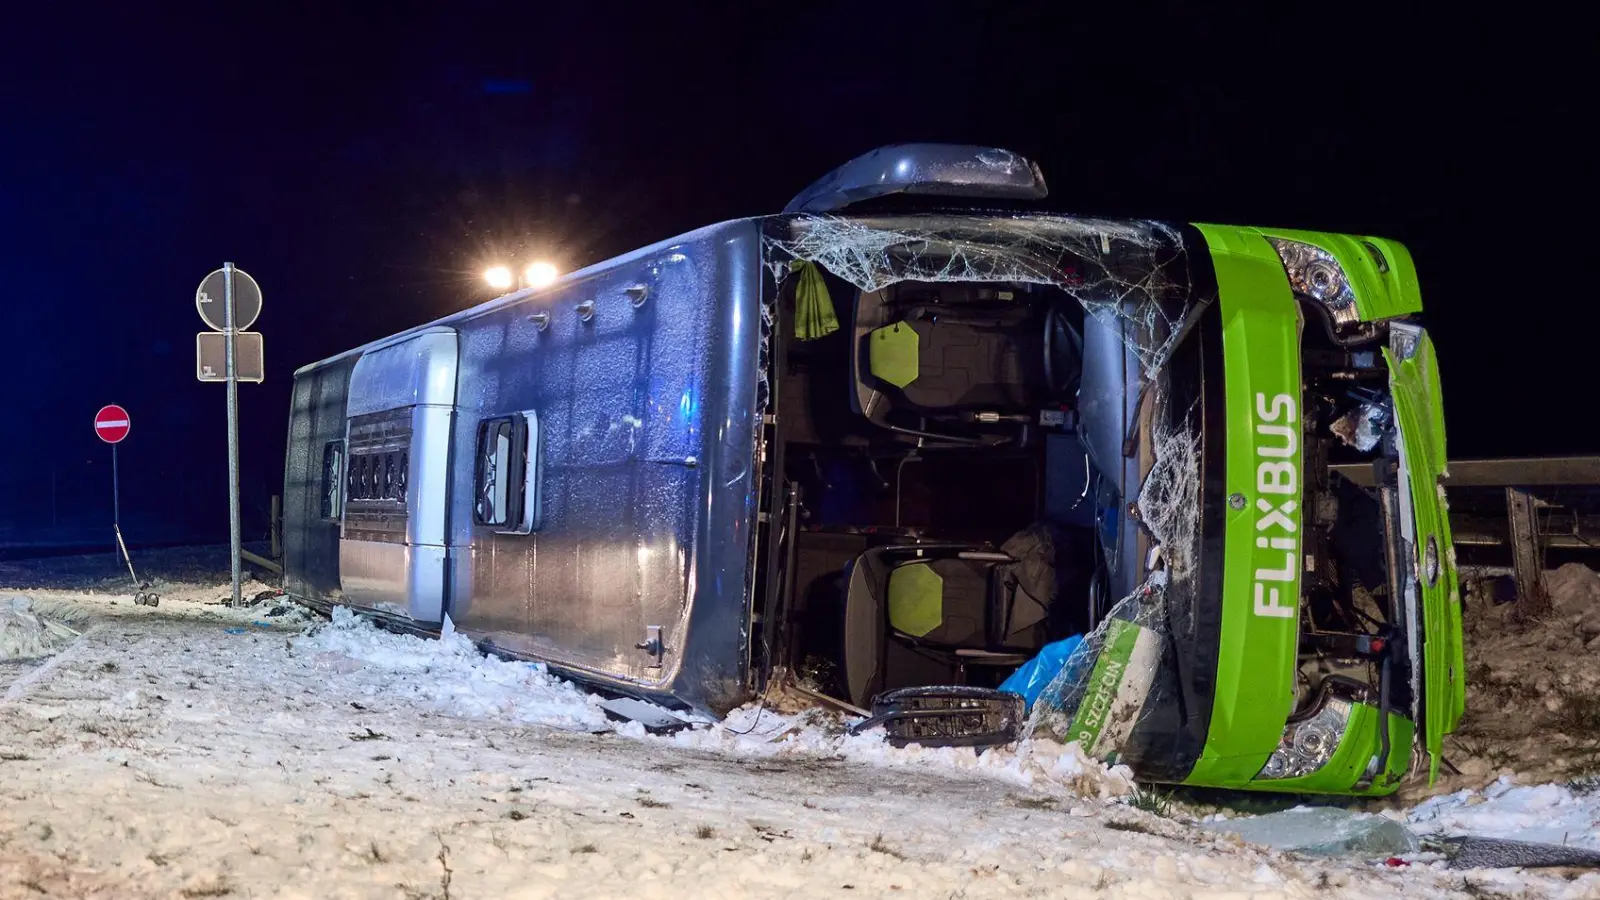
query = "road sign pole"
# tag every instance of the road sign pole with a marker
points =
(116, 501)
(241, 304)
(111, 424)
(233, 427)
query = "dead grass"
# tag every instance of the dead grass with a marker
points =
(1579, 715)
(1586, 784)
(218, 887)
(114, 731)
(1025, 802)
(1482, 891)
(879, 846)
(1494, 754)
(444, 863)
(705, 832)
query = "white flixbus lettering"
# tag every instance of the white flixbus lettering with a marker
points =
(1277, 473)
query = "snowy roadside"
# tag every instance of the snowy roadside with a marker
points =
(1533, 704)
(194, 750)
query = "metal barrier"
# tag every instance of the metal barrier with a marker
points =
(1523, 480)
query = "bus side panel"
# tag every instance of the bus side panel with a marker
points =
(646, 424)
(313, 476)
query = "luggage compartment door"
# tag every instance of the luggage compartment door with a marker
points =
(392, 548)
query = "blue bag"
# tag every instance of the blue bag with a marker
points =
(1031, 679)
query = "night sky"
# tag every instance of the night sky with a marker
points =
(365, 162)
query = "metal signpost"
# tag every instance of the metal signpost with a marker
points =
(229, 301)
(112, 424)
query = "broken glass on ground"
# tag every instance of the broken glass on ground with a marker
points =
(1324, 831)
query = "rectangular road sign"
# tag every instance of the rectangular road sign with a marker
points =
(211, 356)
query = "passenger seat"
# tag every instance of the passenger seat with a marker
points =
(920, 614)
(958, 353)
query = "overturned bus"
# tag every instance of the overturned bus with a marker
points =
(893, 448)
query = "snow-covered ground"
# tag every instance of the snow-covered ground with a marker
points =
(1547, 813)
(193, 750)
(1533, 705)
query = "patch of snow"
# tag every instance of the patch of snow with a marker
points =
(755, 731)
(25, 634)
(199, 750)
(1545, 813)
(1574, 589)
(452, 676)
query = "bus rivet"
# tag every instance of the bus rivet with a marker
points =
(1236, 500)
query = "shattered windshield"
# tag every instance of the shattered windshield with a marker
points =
(1133, 276)
(1136, 271)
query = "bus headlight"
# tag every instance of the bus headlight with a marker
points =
(1314, 272)
(1308, 745)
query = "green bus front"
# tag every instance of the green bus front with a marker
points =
(1335, 659)
(1254, 619)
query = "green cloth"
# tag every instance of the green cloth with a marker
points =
(813, 307)
(916, 599)
(892, 354)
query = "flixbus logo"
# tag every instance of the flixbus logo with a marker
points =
(1277, 486)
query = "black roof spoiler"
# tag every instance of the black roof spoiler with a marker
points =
(947, 170)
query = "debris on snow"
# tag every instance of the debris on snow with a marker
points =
(1497, 853)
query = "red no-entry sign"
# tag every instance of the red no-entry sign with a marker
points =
(111, 423)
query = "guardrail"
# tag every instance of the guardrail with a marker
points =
(1522, 479)
(1527, 471)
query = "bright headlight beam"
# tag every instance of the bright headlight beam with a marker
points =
(499, 277)
(540, 274)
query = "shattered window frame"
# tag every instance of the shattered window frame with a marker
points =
(1134, 276)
